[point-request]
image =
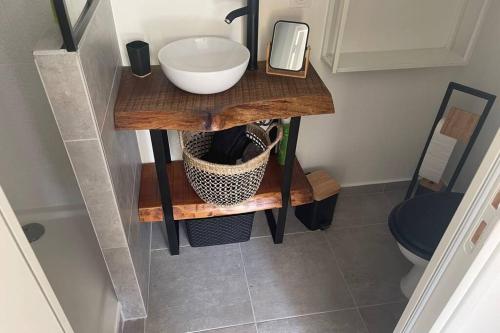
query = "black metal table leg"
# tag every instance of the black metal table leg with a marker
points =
(278, 227)
(161, 153)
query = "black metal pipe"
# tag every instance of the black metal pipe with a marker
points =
(73, 33)
(235, 14)
(271, 222)
(65, 26)
(159, 140)
(286, 182)
(253, 32)
(252, 10)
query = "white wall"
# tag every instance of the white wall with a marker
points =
(483, 72)
(34, 170)
(74, 8)
(382, 118)
(478, 311)
(427, 24)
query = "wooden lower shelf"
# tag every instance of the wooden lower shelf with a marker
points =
(187, 205)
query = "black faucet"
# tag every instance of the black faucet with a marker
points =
(252, 10)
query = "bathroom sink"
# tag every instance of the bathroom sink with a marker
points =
(204, 65)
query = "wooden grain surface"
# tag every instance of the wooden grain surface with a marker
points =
(429, 184)
(459, 124)
(496, 201)
(187, 205)
(154, 102)
(323, 185)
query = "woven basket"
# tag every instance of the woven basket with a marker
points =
(225, 185)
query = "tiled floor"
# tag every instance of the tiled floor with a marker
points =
(343, 280)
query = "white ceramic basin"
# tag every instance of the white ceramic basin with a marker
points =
(204, 65)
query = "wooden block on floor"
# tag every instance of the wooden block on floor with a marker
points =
(429, 184)
(459, 124)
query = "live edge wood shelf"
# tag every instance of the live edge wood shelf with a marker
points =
(153, 103)
(187, 205)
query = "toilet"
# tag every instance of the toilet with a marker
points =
(417, 225)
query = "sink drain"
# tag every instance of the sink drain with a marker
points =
(33, 231)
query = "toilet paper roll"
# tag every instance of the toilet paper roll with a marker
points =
(438, 154)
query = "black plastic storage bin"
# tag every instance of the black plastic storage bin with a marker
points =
(318, 214)
(219, 230)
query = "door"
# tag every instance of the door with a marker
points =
(460, 283)
(27, 302)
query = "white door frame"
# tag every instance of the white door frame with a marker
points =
(27, 303)
(455, 266)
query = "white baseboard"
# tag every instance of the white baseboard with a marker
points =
(49, 213)
(393, 180)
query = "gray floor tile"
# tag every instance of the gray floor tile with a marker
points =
(158, 236)
(294, 278)
(133, 326)
(235, 329)
(362, 209)
(260, 227)
(343, 321)
(371, 262)
(382, 318)
(396, 197)
(203, 288)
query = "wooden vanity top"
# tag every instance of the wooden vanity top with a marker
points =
(154, 102)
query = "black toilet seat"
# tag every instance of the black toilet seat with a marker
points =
(418, 224)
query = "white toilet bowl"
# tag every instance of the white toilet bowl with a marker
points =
(409, 281)
(417, 225)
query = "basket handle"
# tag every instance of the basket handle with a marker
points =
(270, 147)
(278, 137)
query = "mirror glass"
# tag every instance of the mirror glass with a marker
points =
(74, 8)
(289, 45)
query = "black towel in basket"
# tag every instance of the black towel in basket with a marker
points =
(228, 146)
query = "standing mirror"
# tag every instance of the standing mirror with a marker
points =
(289, 45)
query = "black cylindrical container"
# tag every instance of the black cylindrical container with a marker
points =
(318, 214)
(138, 53)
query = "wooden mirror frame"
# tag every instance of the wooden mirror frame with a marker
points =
(301, 73)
